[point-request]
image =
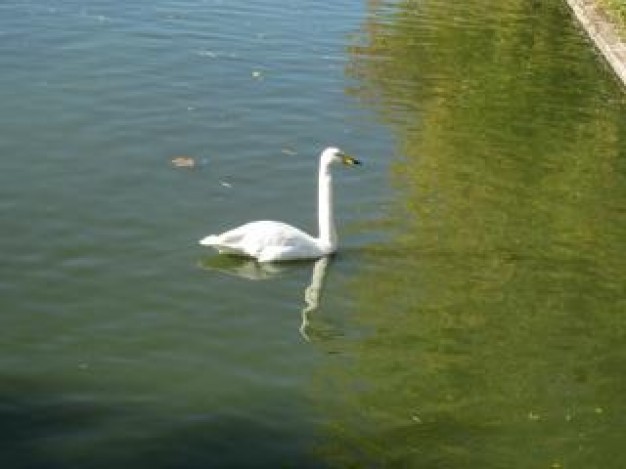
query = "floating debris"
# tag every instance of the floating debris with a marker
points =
(288, 152)
(258, 75)
(207, 53)
(534, 416)
(184, 162)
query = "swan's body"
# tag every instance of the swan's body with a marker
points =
(269, 241)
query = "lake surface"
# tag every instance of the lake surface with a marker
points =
(473, 317)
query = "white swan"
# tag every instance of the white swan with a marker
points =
(270, 241)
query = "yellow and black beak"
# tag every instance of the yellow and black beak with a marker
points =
(348, 160)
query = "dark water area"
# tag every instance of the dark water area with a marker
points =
(473, 317)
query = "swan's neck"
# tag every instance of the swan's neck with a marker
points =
(327, 233)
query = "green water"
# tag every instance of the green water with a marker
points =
(493, 320)
(473, 317)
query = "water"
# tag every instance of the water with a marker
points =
(473, 317)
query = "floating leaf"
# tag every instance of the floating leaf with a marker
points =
(184, 162)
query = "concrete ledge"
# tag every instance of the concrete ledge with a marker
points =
(603, 34)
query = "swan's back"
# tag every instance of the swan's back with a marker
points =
(267, 241)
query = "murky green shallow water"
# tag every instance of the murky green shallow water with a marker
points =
(474, 316)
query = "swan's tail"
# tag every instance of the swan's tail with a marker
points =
(210, 240)
(217, 242)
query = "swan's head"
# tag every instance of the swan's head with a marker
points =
(335, 155)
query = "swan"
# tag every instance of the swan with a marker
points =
(272, 241)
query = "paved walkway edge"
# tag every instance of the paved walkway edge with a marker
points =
(603, 34)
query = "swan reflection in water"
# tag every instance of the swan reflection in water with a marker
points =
(312, 293)
(242, 267)
(250, 269)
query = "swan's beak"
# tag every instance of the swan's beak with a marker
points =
(349, 160)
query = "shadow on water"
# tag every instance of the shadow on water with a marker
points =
(41, 426)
